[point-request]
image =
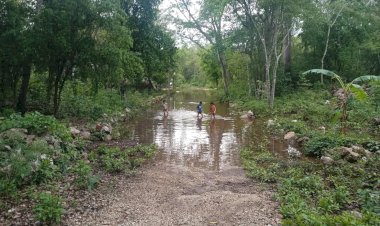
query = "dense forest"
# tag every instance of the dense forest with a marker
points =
(309, 67)
(105, 44)
(255, 49)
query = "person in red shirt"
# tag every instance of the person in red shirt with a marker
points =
(212, 110)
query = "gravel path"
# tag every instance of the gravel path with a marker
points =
(162, 194)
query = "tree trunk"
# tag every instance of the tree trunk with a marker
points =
(328, 39)
(274, 80)
(225, 72)
(288, 53)
(267, 76)
(21, 100)
(325, 51)
(56, 94)
(49, 87)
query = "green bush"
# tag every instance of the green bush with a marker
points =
(46, 171)
(84, 177)
(372, 146)
(8, 188)
(370, 200)
(259, 108)
(318, 145)
(48, 209)
(38, 124)
(139, 154)
(261, 165)
(298, 126)
(346, 219)
(25, 163)
(6, 112)
(116, 160)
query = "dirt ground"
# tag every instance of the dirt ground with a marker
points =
(163, 194)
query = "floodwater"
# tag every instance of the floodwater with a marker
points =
(183, 139)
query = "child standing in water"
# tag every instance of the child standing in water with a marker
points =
(212, 110)
(199, 109)
(165, 108)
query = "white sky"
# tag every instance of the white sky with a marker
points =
(166, 12)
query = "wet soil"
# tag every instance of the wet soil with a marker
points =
(164, 194)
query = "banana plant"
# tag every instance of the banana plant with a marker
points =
(348, 88)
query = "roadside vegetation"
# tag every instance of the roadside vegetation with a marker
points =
(72, 73)
(42, 162)
(336, 180)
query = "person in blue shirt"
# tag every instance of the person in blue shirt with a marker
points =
(199, 109)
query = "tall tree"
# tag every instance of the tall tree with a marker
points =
(15, 51)
(151, 42)
(209, 22)
(66, 36)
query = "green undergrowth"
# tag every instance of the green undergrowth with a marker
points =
(304, 111)
(312, 194)
(80, 100)
(38, 155)
(117, 160)
(86, 105)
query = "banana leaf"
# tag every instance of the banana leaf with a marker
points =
(358, 91)
(366, 78)
(321, 71)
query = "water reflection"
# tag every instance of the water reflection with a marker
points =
(187, 140)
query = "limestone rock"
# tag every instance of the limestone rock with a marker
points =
(74, 131)
(107, 137)
(290, 136)
(360, 150)
(327, 160)
(293, 152)
(270, 123)
(106, 129)
(323, 129)
(19, 130)
(356, 214)
(349, 155)
(85, 135)
(248, 115)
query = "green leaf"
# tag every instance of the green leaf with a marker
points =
(366, 78)
(358, 91)
(321, 71)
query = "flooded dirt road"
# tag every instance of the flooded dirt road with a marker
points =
(195, 178)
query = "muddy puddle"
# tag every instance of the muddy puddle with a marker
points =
(184, 139)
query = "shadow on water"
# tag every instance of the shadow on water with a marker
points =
(187, 140)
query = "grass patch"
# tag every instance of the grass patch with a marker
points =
(311, 194)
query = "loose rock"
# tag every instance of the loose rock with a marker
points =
(349, 155)
(327, 160)
(85, 135)
(74, 131)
